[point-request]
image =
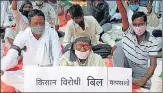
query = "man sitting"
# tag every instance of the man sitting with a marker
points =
(81, 25)
(153, 20)
(136, 48)
(100, 11)
(81, 54)
(41, 48)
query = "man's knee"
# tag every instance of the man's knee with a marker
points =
(118, 56)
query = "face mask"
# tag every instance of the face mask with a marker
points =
(133, 7)
(82, 55)
(38, 29)
(25, 13)
(139, 30)
(39, 2)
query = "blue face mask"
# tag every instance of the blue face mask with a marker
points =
(133, 7)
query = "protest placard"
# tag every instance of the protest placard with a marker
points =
(119, 79)
(76, 79)
(53, 79)
(95, 79)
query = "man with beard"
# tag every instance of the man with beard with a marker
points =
(86, 26)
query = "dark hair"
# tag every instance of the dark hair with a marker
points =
(76, 10)
(23, 4)
(84, 39)
(73, 56)
(139, 14)
(35, 12)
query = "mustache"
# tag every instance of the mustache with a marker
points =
(81, 22)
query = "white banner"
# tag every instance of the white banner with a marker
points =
(119, 79)
(77, 79)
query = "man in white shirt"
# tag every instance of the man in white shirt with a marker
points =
(87, 26)
(40, 46)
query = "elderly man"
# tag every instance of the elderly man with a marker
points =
(40, 47)
(81, 54)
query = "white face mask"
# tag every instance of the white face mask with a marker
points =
(139, 30)
(38, 29)
(82, 55)
(39, 2)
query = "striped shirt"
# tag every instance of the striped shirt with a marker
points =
(135, 52)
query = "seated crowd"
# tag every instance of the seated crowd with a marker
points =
(32, 33)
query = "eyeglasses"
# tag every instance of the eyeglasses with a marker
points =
(138, 25)
(80, 46)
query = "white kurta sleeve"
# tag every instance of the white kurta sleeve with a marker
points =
(56, 48)
(67, 37)
(9, 60)
(98, 28)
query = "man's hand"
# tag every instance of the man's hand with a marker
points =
(139, 83)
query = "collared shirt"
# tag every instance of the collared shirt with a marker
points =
(73, 30)
(49, 12)
(138, 53)
(26, 38)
